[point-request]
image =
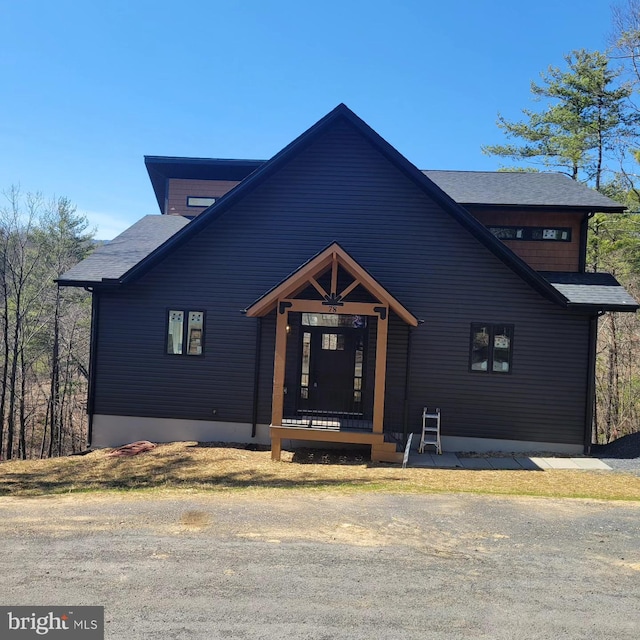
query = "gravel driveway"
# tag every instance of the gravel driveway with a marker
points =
(622, 454)
(279, 565)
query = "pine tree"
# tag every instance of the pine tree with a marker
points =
(584, 118)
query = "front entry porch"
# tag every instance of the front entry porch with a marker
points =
(381, 451)
(330, 357)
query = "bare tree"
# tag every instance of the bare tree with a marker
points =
(44, 359)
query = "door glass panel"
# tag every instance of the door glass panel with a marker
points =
(333, 320)
(333, 341)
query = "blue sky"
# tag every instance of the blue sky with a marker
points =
(88, 88)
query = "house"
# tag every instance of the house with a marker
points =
(330, 293)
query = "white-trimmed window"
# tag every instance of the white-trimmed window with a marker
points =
(185, 332)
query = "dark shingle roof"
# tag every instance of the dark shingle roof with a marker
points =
(111, 261)
(520, 189)
(146, 243)
(599, 290)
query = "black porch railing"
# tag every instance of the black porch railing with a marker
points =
(330, 421)
(340, 410)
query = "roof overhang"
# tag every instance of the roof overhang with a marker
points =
(592, 292)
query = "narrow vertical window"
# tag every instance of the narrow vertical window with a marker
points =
(502, 336)
(306, 356)
(176, 329)
(194, 333)
(357, 372)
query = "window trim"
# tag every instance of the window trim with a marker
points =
(185, 327)
(492, 332)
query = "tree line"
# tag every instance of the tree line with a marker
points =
(44, 331)
(587, 125)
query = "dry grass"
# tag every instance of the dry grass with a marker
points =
(201, 467)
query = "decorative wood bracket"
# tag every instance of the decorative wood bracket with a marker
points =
(283, 306)
(381, 311)
(333, 300)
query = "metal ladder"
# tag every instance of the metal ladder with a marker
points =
(430, 430)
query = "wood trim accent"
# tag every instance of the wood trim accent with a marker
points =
(381, 374)
(349, 289)
(317, 287)
(375, 288)
(279, 433)
(332, 256)
(326, 435)
(381, 451)
(290, 286)
(334, 273)
(279, 360)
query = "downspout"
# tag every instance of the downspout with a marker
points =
(256, 378)
(93, 354)
(591, 382)
(407, 376)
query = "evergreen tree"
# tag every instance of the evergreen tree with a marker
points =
(584, 118)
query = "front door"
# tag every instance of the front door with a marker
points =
(332, 369)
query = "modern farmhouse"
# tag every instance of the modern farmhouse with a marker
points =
(332, 292)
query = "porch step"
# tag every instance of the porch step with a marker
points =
(380, 451)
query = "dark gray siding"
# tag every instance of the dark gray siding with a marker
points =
(340, 189)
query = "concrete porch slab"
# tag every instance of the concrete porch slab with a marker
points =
(528, 464)
(475, 463)
(449, 460)
(591, 464)
(446, 460)
(561, 463)
(510, 464)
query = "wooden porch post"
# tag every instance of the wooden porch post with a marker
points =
(381, 370)
(277, 402)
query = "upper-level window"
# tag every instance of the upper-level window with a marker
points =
(491, 348)
(185, 332)
(546, 234)
(199, 201)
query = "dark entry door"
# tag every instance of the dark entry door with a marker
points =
(336, 370)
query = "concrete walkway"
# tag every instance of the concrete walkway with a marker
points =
(449, 460)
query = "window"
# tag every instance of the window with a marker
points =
(199, 201)
(544, 234)
(333, 320)
(491, 348)
(306, 356)
(333, 341)
(185, 338)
